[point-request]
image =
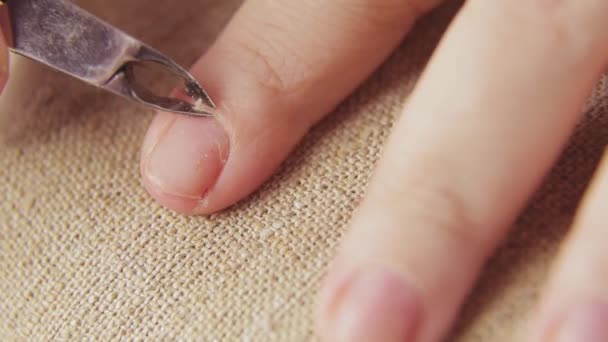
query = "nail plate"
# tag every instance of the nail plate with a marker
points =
(377, 306)
(588, 323)
(188, 158)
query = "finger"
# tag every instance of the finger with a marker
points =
(276, 70)
(488, 118)
(575, 305)
(5, 36)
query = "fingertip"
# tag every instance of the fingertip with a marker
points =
(585, 321)
(175, 203)
(370, 305)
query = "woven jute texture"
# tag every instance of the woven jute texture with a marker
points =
(86, 253)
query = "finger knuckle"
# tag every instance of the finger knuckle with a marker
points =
(274, 65)
(438, 205)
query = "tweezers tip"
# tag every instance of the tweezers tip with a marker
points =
(199, 101)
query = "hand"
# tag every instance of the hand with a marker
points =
(488, 118)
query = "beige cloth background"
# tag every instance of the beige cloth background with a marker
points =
(85, 252)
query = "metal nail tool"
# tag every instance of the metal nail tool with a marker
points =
(67, 38)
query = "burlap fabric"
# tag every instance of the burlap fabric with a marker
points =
(86, 253)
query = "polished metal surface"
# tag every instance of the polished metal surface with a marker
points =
(67, 38)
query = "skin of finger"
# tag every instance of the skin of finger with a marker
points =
(488, 118)
(3, 63)
(277, 69)
(581, 272)
(5, 38)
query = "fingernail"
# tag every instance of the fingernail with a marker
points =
(587, 323)
(376, 306)
(187, 158)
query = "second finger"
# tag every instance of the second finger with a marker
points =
(488, 118)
